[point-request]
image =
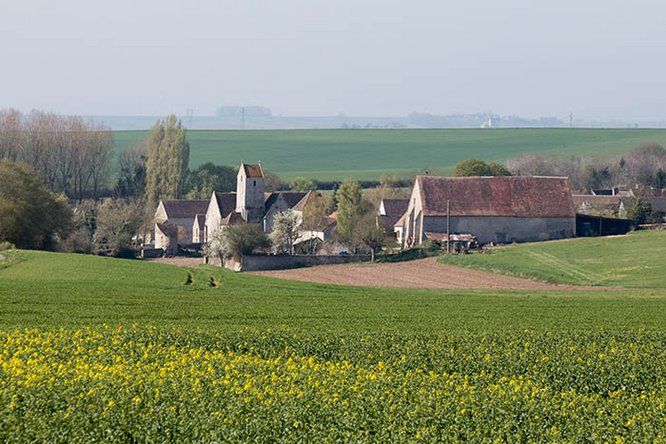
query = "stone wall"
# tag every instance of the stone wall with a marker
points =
(257, 263)
(506, 229)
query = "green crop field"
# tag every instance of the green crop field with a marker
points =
(367, 154)
(100, 349)
(635, 260)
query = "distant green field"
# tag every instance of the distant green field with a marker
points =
(636, 260)
(96, 349)
(367, 154)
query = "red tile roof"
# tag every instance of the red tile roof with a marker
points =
(592, 200)
(496, 196)
(253, 170)
(183, 208)
(169, 230)
(309, 197)
(394, 209)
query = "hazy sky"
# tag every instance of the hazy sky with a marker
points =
(598, 58)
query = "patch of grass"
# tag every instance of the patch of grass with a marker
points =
(635, 260)
(367, 154)
(51, 290)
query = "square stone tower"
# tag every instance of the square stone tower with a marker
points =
(250, 192)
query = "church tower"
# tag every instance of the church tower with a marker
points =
(250, 192)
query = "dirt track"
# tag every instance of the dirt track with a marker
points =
(423, 273)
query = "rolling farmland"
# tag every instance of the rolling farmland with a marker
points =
(111, 350)
(367, 154)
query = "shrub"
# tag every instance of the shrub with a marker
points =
(31, 216)
(237, 241)
(118, 222)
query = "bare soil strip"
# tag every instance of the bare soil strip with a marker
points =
(190, 262)
(422, 273)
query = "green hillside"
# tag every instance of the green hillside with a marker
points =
(636, 260)
(53, 289)
(367, 154)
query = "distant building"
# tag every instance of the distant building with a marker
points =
(601, 205)
(493, 209)
(180, 213)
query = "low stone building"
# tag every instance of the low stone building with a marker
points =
(601, 205)
(279, 202)
(493, 209)
(181, 213)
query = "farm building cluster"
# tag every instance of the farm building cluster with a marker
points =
(461, 212)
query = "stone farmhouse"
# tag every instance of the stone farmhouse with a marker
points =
(197, 220)
(175, 217)
(493, 209)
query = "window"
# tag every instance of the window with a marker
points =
(254, 183)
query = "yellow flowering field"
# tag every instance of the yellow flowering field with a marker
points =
(145, 384)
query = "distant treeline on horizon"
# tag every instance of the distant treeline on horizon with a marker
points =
(262, 118)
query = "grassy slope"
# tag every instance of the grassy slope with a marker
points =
(366, 154)
(636, 260)
(52, 290)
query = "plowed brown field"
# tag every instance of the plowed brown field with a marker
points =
(422, 273)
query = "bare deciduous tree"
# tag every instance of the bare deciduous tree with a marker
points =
(72, 155)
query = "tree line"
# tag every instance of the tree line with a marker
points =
(644, 166)
(57, 187)
(71, 154)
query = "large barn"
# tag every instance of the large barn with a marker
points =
(494, 209)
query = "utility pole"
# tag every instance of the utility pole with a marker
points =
(243, 118)
(448, 226)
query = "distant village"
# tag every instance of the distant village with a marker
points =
(455, 213)
(146, 201)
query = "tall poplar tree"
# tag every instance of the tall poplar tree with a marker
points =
(168, 157)
(350, 208)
